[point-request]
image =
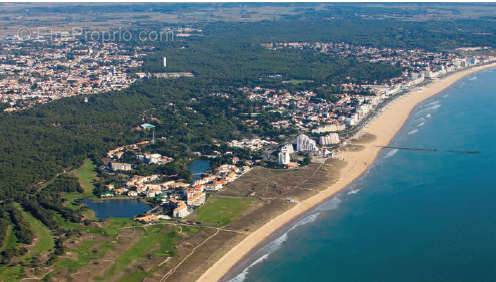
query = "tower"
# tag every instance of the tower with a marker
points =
(284, 157)
(165, 62)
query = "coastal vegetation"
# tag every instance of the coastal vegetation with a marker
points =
(220, 211)
(52, 154)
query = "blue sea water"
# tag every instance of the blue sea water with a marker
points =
(414, 216)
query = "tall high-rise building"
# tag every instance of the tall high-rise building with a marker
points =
(288, 147)
(284, 157)
(305, 144)
(329, 139)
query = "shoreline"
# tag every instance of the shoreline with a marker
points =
(385, 125)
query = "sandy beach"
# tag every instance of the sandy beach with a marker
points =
(384, 126)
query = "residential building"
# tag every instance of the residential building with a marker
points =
(121, 166)
(180, 208)
(305, 144)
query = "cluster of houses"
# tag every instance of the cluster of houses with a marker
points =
(61, 67)
(326, 120)
(116, 154)
(413, 60)
(253, 144)
(321, 120)
(182, 197)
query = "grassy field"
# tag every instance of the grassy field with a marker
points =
(85, 253)
(90, 249)
(220, 211)
(44, 241)
(297, 81)
(86, 174)
(154, 236)
(11, 273)
(134, 277)
(10, 239)
(113, 226)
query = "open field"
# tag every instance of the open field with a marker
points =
(43, 240)
(155, 237)
(220, 211)
(86, 174)
(10, 239)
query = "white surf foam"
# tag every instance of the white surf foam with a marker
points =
(331, 204)
(421, 119)
(242, 276)
(413, 131)
(352, 192)
(391, 153)
(428, 108)
(428, 116)
(473, 78)
(421, 124)
(433, 107)
(273, 246)
(436, 102)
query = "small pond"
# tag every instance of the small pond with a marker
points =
(198, 167)
(117, 207)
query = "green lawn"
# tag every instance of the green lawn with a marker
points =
(84, 251)
(45, 240)
(137, 276)
(86, 174)
(10, 239)
(154, 236)
(44, 243)
(113, 225)
(85, 254)
(220, 211)
(297, 81)
(11, 273)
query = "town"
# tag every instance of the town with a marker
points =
(322, 124)
(66, 67)
(51, 66)
(323, 116)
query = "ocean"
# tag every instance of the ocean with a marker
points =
(415, 215)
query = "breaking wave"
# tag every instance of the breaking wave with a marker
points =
(413, 131)
(433, 103)
(274, 245)
(421, 119)
(242, 276)
(391, 153)
(421, 124)
(329, 205)
(352, 192)
(433, 107)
